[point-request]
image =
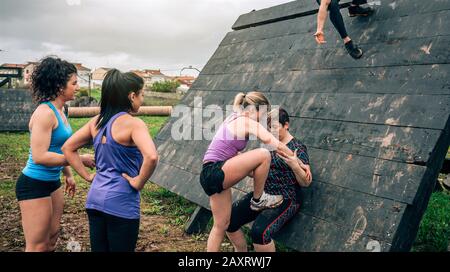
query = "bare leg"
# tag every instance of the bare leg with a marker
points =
(36, 222)
(238, 240)
(58, 208)
(239, 167)
(221, 210)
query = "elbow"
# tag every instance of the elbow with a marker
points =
(152, 158)
(38, 160)
(66, 149)
(307, 183)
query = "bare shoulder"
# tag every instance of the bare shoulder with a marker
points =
(43, 115)
(138, 122)
(43, 110)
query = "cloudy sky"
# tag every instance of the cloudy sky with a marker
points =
(153, 34)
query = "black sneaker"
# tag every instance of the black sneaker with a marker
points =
(353, 50)
(359, 11)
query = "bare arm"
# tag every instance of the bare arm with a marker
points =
(267, 138)
(41, 133)
(70, 150)
(70, 181)
(322, 15)
(304, 178)
(143, 141)
(321, 19)
(302, 171)
(67, 172)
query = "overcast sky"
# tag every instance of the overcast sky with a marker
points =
(153, 34)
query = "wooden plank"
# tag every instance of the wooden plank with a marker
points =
(298, 34)
(381, 109)
(16, 107)
(309, 234)
(421, 51)
(388, 9)
(377, 28)
(409, 226)
(411, 79)
(408, 145)
(281, 12)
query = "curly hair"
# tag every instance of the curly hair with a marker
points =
(50, 77)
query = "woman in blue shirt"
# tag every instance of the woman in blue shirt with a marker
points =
(41, 201)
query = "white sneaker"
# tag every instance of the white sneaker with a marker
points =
(266, 201)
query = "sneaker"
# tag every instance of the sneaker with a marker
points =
(266, 201)
(359, 11)
(353, 50)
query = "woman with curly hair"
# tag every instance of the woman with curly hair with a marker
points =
(41, 200)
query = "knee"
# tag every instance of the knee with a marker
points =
(259, 235)
(265, 155)
(222, 225)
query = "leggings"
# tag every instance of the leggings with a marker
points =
(267, 223)
(112, 234)
(336, 16)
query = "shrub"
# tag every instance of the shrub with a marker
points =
(165, 86)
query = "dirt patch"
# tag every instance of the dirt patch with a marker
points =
(157, 233)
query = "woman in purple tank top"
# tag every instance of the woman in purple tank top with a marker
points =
(125, 158)
(224, 166)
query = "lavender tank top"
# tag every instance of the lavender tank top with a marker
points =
(224, 145)
(110, 193)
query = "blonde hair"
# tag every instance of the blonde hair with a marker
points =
(255, 99)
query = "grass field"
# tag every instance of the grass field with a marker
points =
(149, 100)
(164, 214)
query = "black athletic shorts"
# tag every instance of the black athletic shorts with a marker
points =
(28, 188)
(212, 178)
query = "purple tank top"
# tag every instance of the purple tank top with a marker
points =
(224, 145)
(110, 192)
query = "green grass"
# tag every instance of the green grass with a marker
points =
(158, 101)
(434, 232)
(14, 146)
(97, 94)
(448, 154)
(163, 202)
(149, 100)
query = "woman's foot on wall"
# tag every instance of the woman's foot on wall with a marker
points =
(353, 50)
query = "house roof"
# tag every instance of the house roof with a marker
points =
(12, 65)
(80, 67)
(188, 80)
(153, 72)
